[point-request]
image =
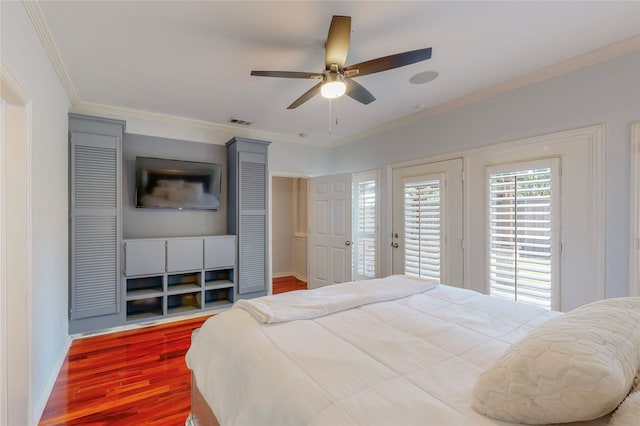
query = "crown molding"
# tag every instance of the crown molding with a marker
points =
(36, 14)
(593, 57)
(109, 111)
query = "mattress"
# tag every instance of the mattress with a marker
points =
(392, 360)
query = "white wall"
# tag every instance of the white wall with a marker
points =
(282, 225)
(608, 93)
(296, 159)
(604, 93)
(24, 57)
(285, 158)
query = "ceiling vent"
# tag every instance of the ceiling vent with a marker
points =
(238, 121)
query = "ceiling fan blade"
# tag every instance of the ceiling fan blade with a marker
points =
(286, 74)
(388, 62)
(359, 93)
(306, 96)
(337, 45)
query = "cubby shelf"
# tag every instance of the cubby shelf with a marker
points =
(214, 285)
(158, 282)
(143, 294)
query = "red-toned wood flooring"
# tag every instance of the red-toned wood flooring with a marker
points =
(284, 284)
(135, 377)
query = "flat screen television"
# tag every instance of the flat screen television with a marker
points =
(177, 184)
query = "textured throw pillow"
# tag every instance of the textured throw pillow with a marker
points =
(575, 367)
(628, 414)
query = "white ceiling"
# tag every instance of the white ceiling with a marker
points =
(193, 59)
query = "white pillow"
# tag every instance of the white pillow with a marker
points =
(575, 367)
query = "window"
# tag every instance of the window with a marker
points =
(365, 225)
(523, 222)
(422, 228)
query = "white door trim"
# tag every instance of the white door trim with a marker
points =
(634, 202)
(3, 279)
(16, 255)
(590, 139)
(582, 233)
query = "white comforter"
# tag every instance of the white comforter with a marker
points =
(407, 361)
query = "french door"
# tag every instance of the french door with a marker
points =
(427, 220)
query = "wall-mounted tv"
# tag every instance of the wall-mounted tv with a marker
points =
(177, 184)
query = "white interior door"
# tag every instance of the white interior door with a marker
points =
(428, 221)
(329, 243)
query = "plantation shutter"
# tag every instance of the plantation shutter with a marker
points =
(94, 225)
(252, 230)
(523, 218)
(422, 216)
(365, 225)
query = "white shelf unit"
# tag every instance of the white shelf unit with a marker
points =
(174, 276)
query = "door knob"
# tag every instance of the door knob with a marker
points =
(394, 245)
(347, 243)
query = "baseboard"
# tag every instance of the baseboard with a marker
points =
(38, 410)
(282, 274)
(300, 277)
(144, 324)
(289, 274)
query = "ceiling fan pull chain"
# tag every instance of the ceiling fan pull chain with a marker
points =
(330, 104)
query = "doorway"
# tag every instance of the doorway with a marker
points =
(289, 228)
(15, 249)
(427, 221)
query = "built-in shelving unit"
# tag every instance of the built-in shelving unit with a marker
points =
(95, 185)
(248, 174)
(175, 276)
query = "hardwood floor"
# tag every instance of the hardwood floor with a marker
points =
(135, 377)
(284, 284)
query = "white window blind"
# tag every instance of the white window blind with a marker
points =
(523, 218)
(365, 226)
(422, 217)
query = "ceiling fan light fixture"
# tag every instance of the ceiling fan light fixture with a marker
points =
(333, 86)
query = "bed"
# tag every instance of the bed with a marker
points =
(406, 351)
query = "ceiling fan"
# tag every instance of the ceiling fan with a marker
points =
(337, 79)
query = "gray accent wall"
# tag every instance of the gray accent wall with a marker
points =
(152, 223)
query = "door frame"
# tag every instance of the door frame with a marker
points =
(3, 262)
(388, 237)
(273, 174)
(634, 202)
(15, 303)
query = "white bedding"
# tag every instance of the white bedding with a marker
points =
(303, 304)
(407, 361)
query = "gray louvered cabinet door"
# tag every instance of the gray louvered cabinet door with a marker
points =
(95, 182)
(247, 216)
